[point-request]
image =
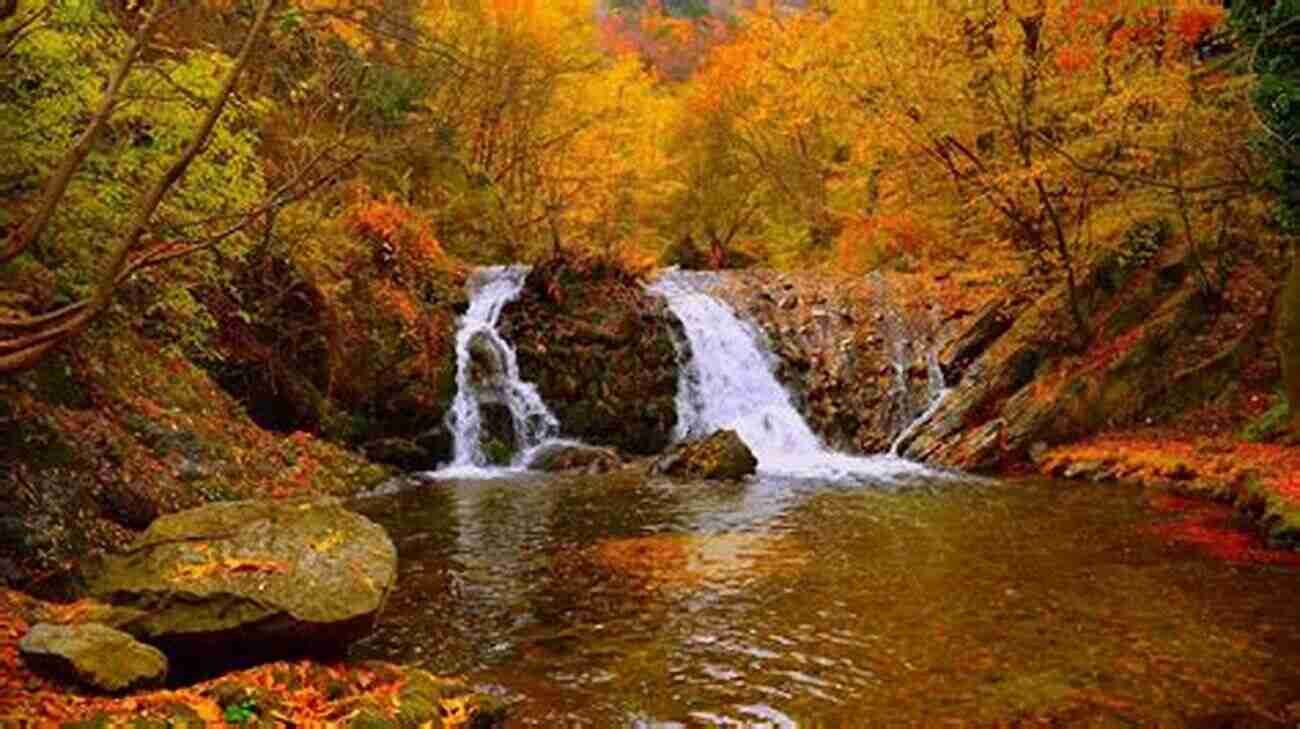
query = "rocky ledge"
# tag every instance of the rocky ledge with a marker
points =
(243, 581)
(600, 350)
(855, 352)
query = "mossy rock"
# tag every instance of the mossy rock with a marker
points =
(399, 452)
(722, 456)
(371, 718)
(93, 655)
(600, 353)
(447, 702)
(100, 721)
(251, 580)
(426, 701)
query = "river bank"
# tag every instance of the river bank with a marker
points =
(953, 368)
(1175, 390)
(369, 695)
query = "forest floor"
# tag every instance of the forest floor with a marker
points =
(303, 693)
(1261, 480)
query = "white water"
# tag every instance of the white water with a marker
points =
(727, 381)
(938, 389)
(490, 289)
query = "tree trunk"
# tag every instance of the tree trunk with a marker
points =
(52, 196)
(26, 351)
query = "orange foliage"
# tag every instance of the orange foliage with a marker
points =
(1075, 58)
(1216, 466)
(1193, 23)
(307, 694)
(865, 242)
(387, 222)
(635, 261)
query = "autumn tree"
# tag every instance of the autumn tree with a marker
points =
(715, 199)
(1026, 121)
(543, 142)
(765, 107)
(160, 170)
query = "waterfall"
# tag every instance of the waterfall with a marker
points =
(494, 377)
(938, 390)
(727, 381)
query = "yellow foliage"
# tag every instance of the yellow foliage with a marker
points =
(204, 570)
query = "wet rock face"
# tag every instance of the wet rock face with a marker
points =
(249, 580)
(1023, 387)
(722, 456)
(93, 655)
(600, 351)
(852, 354)
(405, 454)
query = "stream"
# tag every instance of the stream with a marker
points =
(621, 602)
(830, 589)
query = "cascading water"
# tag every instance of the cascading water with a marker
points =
(938, 390)
(727, 382)
(534, 424)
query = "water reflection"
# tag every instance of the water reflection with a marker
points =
(616, 602)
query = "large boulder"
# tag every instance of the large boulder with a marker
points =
(251, 580)
(722, 456)
(93, 655)
(600, 350)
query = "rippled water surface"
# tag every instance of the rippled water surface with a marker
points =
(615, 602)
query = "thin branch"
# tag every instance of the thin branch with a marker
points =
(24, 28)
(34, 227)
(171, 252)
(26, 351)
(1238, 184)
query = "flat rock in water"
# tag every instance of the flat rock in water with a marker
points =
(249, 580)
(588, 459)
(93, 655)
(721, 456)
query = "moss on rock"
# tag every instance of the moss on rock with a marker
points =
(94, 655)
(249, 579)
(600, 350)
(722, 456)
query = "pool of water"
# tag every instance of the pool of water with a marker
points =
(620, 602)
